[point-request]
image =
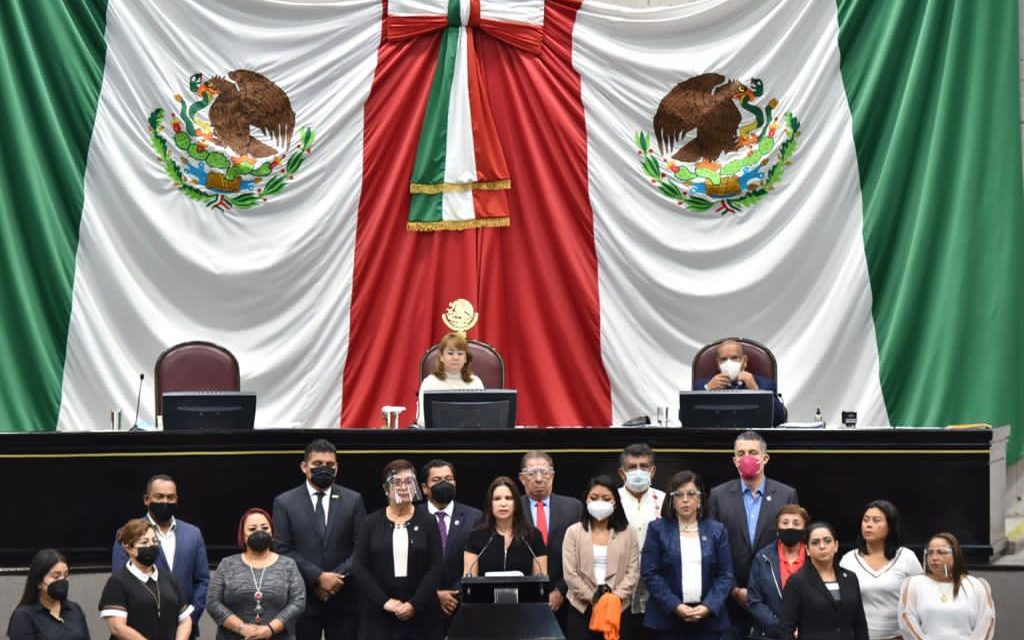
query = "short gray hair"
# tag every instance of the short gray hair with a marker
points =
(751, 435)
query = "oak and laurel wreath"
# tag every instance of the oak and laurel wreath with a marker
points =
(273, 186)
(665, 180)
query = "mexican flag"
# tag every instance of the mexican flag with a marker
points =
(309, 184)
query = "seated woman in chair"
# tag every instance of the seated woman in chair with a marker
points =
(452, 371)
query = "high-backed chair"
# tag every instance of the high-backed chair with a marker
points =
(487, 364)
(194, 366)
(760, 360)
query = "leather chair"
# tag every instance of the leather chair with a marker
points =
(487, 364)
(760, 360)
(194, 366)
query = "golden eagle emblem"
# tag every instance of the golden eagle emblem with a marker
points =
(229, 143)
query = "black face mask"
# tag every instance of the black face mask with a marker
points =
(259, 541)
(790, 537)
(162, 511)
(147, 555)
(322, 477)
(58, 590)
(443, 492)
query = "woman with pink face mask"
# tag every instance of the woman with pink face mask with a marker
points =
(946, 603)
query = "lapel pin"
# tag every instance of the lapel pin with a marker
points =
(334, 496)
(768, 498)
(416, 527)
(456, 523)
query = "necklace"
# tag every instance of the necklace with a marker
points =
(155, 593)
(258, 596)
(685, 527)
(943, 596)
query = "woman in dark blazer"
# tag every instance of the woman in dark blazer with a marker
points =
(822, 601)
(687, 592)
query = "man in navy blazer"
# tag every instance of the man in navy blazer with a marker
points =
(733, 374)
(454, 522)
(182, 549)
(318, 524)
(537, 475)
(748, 507)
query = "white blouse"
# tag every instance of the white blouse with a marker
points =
(400, 550)
(928, 610)
(600, 563)
(880, 590)
(689, 547)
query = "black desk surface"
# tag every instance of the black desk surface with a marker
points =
(72, 490)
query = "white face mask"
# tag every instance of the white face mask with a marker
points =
(638, 480)
(730, 368)
(600, 510)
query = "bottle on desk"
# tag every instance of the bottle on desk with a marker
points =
(818, 417)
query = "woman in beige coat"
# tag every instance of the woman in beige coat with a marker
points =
(600, 554)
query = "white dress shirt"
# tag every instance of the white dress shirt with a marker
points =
(312, 489)
(168, 541)
(689, 552)
(639, 513)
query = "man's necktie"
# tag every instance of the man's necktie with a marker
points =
(443, 530)
(542, 521)
(321, 516)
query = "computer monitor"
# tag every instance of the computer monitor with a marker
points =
(470, 409)
(209, 410)
(726, 409)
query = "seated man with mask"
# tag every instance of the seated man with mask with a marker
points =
(733, 374)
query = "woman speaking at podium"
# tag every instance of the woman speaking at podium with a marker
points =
(505, 540)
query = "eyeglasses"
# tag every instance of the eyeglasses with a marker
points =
(821, 542)
(941, 551)
(543, 472)
(691, 494)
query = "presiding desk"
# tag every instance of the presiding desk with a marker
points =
(72, 490)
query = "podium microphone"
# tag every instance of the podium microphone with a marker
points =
(138, 400)
(536, 562)
(479, 555)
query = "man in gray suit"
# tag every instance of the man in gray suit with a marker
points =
(748, 508)
(552, 514)
(317, 524)
(454, 522)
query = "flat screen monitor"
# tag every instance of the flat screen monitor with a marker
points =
(209, 410)
(726, 409)
(470, 409)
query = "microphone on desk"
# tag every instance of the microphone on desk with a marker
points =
(138, 400)
(469, 571)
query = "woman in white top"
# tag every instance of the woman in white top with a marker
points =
(946, 603)
(881, 565)
(452, 371)
(600, 555)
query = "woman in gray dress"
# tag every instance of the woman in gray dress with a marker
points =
(256, 594)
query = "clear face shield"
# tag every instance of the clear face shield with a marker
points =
(402, 488)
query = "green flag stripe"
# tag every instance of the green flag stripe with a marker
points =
(934, 92)
(433, 145)
(50, 77)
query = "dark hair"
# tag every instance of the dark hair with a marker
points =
(636, 450)
(521, 527)
(793, 510)
(892, 521)
(434, 464)
(241, 525)
(160, 476)
(319, 445)
(751, 435)
(394, 467)
(42, 562)
(668, 510)
(959, 562)
(821, 524)
(617, 521)
(536, 454)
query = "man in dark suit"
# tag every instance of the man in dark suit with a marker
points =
(748, 508)
(317, 524)
(454, 522)
(182, 549)
(733, 374)
(552, 514)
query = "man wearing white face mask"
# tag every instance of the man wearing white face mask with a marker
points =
(733, 374)
(642, 503)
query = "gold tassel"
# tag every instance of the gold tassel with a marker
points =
(420, 188)
(457, 225)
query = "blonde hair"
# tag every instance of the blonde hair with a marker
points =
(458, 342)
